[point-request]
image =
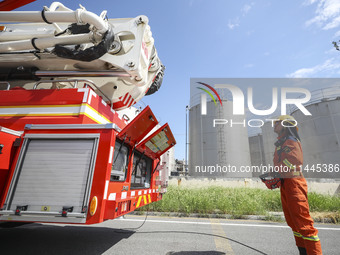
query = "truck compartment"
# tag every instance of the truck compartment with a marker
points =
(52, 179)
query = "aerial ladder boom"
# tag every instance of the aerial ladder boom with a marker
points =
(118, 55)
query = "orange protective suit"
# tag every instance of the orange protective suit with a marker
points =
(288, 154)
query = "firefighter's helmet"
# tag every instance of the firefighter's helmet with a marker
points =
(288, 119)
(290, 124)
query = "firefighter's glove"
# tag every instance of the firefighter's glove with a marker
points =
(272, 182)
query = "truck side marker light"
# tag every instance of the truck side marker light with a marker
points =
(93, 205)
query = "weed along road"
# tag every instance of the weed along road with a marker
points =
(161, 236)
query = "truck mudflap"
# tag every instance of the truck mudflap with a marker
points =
(52, 179)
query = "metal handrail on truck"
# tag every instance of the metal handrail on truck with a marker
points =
(6, 82)
(75, 85)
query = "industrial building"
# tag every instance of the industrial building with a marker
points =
(214, 150)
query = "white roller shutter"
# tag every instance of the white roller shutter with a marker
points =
(54, 173)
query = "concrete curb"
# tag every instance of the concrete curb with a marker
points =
(272, 216)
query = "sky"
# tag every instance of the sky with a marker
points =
(228, 39)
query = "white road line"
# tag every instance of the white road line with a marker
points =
(223, 224)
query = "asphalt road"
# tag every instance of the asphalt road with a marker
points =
(161, 235)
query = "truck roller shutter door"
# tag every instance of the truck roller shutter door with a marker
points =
(53, 174)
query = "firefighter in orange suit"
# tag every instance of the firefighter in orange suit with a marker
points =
(288, 159)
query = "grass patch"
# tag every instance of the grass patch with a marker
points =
(334, 217)
(217, 200)
(274, 218)
(323, 203)
(235, 202)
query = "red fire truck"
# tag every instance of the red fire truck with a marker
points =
(69, 152)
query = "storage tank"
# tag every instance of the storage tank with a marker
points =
(269, 138)
(320, 134)
(222, 149)
(256, 152)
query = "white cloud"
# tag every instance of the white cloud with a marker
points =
(233, 23)
(246, 8)
(330, 66)
(333, 24)
(327, 14)
(249, 65)
(332, 52)
(337, 34)
(309, 2)
(250, 32)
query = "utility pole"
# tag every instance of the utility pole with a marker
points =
(186, 138)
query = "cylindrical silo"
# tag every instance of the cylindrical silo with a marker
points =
(256, 152)
(222, 149)
(319, 133)
(269, 138)
(320, 138)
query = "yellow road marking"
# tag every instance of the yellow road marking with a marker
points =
(222, 244)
